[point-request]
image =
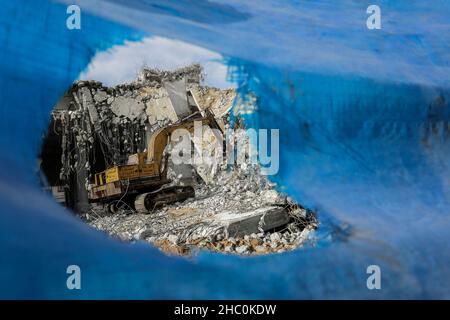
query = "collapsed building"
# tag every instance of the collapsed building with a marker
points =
(110, 156)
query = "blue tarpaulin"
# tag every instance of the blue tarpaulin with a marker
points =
(364, 119)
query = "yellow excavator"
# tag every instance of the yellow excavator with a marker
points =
(140, 184)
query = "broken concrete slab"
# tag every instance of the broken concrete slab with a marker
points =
(127, 107)
(219, 101)
(178, 97)
(259, 220)
(86, 100)
(159, 106)
(100, 96)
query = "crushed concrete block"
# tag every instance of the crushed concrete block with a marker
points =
(100, 96)
(218, 101)
(89, 104)
(173, 239)
(127, 107)
(177, 95)
(245, 223)
(271, 197)
(255, 242)
(260, 249)
(159, 107)
(242, 249)
(273, 245)
(275, 237)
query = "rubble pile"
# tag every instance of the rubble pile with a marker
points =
(185, 227)
(236, 209)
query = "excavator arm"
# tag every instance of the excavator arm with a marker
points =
(160, 138)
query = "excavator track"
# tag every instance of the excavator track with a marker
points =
(139, 203)
(147, 202)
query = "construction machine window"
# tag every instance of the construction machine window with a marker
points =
(149, 160)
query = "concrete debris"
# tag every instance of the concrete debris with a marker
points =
(236, 209)
(173, 239)
(127, 107)
(155, 78)
(202, 223)
(275, 237)
(261, 219)
(242, 249)
(101, 96)
(159, 110)
(220, 101)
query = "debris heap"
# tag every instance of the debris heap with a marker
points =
(202, 222)
(236, 209)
